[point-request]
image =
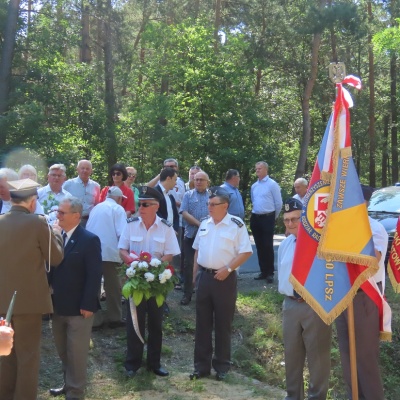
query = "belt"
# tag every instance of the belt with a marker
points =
(298, 299)
(264, 214)
(208, 270)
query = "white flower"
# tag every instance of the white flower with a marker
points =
(149, 276)
(164, 276)
(143, 264)
(134, 264)
(168, 273)
(155, 262)
(130, 272)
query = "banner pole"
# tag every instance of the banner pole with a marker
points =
(353, 353)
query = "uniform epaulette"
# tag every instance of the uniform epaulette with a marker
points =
(237, 222)
(132, 219)
(204, 218)
(166, 222)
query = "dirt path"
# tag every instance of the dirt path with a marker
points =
(106, 379)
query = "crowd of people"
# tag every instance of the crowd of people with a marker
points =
(76, 235)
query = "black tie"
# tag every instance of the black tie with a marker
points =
(64, 235)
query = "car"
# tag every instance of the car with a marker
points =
(384, 206)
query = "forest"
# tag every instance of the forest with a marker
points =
(218, 83)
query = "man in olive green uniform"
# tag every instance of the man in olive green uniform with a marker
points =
(25, 239)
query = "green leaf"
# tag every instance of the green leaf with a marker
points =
(137, 297)
(126, 290)
(160, 300)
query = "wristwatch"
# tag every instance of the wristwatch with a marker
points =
(229, 269)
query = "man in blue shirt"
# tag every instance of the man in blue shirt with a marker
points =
(231, 184)
(267, 204)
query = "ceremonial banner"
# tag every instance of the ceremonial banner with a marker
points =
(394, 260)
(335, 252)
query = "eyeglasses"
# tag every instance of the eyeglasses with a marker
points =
(293, 220)
(117, 173)
(170, 166)
(56, 175)
(200, 179)
(145, 205)
(214, 204)
(62, 213)
(131, 175)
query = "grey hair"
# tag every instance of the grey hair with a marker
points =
(171, 160)
(262, 163)
(74, 203)
(8, 174)
(58, 166)
(302, 181)
(80, 161)
(27, 167)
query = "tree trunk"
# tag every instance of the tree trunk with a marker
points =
(109, 99)
(385, 151)
(217, 23)
(7, 55)
(393, 127)
(259, 68)
(371, 127)
(305, 107)
(86, 54)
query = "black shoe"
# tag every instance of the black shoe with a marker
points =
(117, 324)
(260, 277)
(185, 300)
(198, 375)
(220, 376)
(130, 373)
(160, 371)
(166, 309)
(270, 279)
(57, 392)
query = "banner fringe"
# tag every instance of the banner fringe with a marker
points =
(393, 281)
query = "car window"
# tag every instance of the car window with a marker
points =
(385, 200)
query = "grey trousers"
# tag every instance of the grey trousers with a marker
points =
(305, 335)
(366, 325)
(72, 340)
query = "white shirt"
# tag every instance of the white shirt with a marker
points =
(266, 197)
(219, 244)
(380, 238)
(178, 192)
(170, 213)
(7, 206)
(88, 194)
(159, 240)
(50, 201)
(69, 234)
(107, 220)
(296, 196)
(285, 262)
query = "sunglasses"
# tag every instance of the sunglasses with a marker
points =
(145, 205)
(132, 175)
(116, 173)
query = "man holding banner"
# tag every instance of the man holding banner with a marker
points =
(366, 321)
(335, 252)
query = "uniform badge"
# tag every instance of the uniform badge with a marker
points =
(237, 222)
(132, 219)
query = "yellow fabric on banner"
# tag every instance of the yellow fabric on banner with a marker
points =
(341, 235)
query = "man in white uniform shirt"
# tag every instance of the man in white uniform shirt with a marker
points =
(300, 187)
(366, 324)
(304, 332)
(107, 220)
(221, 245)
(84, 188)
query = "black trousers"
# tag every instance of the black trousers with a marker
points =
(135, 347)
(188, 269)
(215, 308)
(262, 227)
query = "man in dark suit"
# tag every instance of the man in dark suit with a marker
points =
(168, 209)
(76, 285)
(24, 247)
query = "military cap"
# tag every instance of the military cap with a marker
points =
(115, 191)
(292, 204)
(149, 193)
(218, 191)
(23, 188)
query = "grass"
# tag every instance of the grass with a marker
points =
(257, 353)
